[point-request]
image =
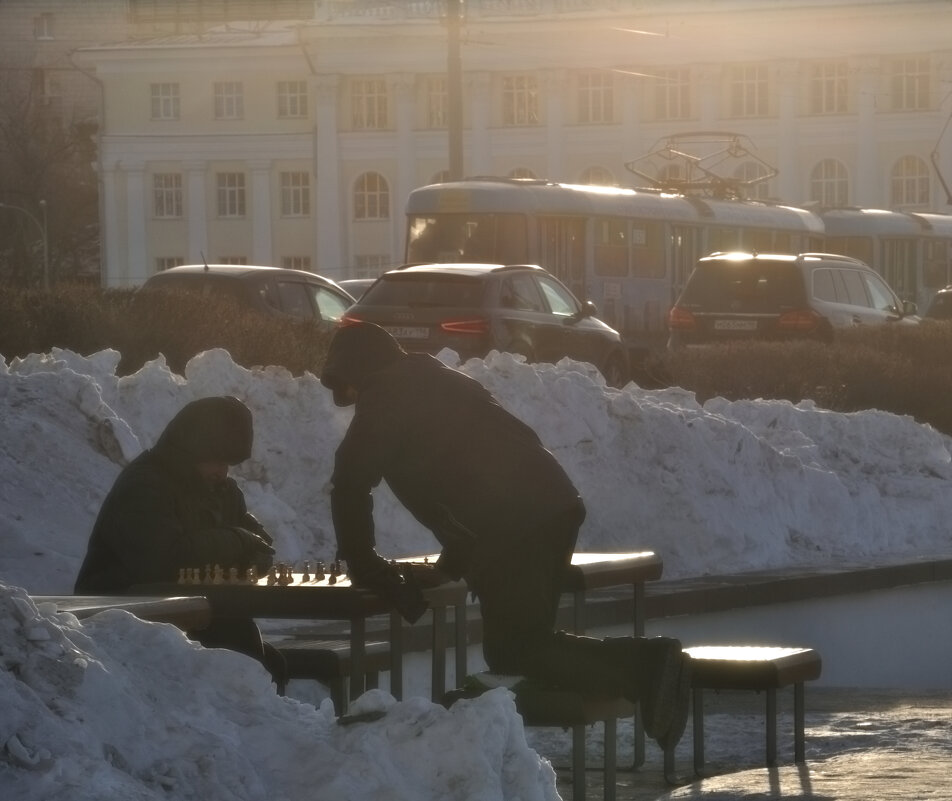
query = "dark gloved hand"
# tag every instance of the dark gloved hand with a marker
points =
(402, 591)
(258, 550)
(424, 575)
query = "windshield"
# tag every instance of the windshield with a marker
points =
(486, 238)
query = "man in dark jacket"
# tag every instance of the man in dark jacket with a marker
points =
(503, 509)
(174, 506)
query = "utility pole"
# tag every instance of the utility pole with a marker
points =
(454, 88)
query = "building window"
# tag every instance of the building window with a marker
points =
(167, 194)
(829, 87)
(596, 98)
(292, 99)
(910, 182)
(437, 103)
(597, 176)
(829, 184)
(370, 266)
(167, 262)
(371, 197)
(748, 91)
(231, 194)
(233, 260)
(673, 95)
(520, 98)
(229, 100)
(165, 101)
(747, 175)
(43, 26)
(295, 194)
(368, 98)
(909, 84)
(296, 263)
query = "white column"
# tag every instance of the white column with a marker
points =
(332, 258)
(196, 205)
(480, 112)
(403, 90)
(555, 83)
(867, 178)
(261, 212)
(136, 250)
(111, 227)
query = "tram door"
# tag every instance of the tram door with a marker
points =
(684, 252)
(899, 265)
(561, 250)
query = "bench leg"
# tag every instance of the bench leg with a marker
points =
(698, 730)
(799, 749)
(611, 746)
(578, 763)
(771, 726)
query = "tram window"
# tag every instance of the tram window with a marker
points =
(491, 238)
(611, 247)
(858, 247)
(782, 243)
(724, 240)
(758, 239)
(647, 249)
(934, 268)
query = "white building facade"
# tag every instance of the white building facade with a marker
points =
(296, 144)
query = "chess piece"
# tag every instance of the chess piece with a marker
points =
(181, 576)
(306, 577)
(272, 576)
(319, 571)
(207, 577)
(233, 575)
(253, 574)
(196, 575)
(218, 577)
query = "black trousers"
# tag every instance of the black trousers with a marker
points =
(243, 635)
(519, 600)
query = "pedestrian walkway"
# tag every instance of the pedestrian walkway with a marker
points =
(862, 745)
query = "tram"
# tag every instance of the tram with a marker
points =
(628, 250)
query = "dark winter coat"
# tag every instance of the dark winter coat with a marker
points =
(467, 469)
(160, 516)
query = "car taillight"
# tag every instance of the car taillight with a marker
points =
(800, 321)
(349, 319)
(479, 325)
(681, 319)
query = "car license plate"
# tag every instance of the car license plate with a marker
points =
(735, 325)
(407, 331)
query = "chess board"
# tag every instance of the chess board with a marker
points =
(282, 574)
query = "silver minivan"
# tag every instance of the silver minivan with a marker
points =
(739, 295)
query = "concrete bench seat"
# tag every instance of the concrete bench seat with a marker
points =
(756, 668)
(328, 661)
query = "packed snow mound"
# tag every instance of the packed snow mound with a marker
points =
(116, 708)
(715, 488)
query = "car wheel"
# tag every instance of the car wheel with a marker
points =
(615, 371)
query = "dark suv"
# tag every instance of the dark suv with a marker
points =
(475, 308)
(733, 296)
(270, 290)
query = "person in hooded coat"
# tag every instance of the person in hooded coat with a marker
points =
(504, 511)
(174, 506)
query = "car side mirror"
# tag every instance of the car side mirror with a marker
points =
(909, 308)
(588, 310)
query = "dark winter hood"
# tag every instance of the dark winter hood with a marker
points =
(356, 352)
(215, 429)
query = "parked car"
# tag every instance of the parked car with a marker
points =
(736, 295)
(357, 286)
(940, 307)
(475, 308)
(270, 290)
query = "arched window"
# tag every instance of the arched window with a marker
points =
(521, 172)
(748, 171)
(909, 183)
(371, 197)
(597, 176)
(829, 184)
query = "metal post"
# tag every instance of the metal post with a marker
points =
(454, 88)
